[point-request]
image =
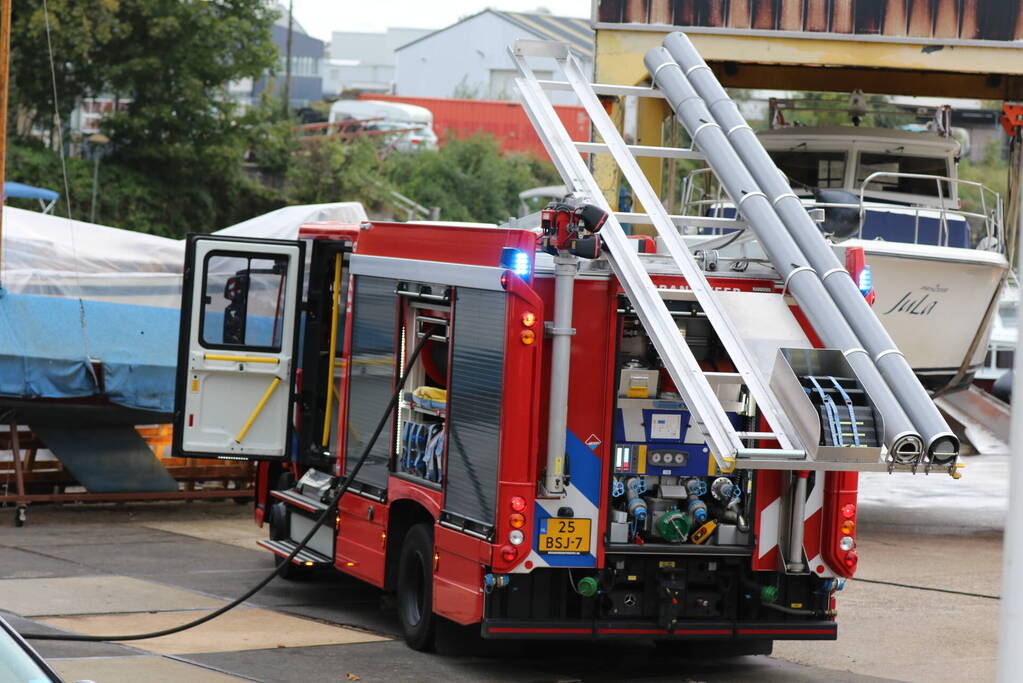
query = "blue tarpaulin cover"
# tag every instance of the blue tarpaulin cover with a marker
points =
(29, 192)
(47, 345)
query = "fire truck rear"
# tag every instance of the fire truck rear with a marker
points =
(291, 351)
(551, 430)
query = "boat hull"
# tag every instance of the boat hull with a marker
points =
(936, 303)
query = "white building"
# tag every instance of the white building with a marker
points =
(470, 58)
(364, 61)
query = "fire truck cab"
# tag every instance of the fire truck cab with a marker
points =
(291, 352)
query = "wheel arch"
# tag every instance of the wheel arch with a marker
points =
(402, 516)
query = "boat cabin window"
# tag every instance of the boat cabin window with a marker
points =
(874, 162)
(811, 169)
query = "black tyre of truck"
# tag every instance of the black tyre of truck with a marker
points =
(415, 588)
(279, 531)
(285, 480)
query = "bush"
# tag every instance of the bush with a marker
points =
(468, 179)
(333, 171)
(133, 199)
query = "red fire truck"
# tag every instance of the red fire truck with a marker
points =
(291, 353)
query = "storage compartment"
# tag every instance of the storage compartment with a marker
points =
(423, 413)
(666, 492)
(836, 420)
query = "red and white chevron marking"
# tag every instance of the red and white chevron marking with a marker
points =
(767, 525)
(813, 520)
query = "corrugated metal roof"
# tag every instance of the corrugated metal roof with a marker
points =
(572, 30)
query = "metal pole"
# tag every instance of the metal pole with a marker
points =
(5, 72)
(1010, 655)
(797, 527)
(286, 106)
(565, 269)
(903, 442)
(95, 179)
(941, 444)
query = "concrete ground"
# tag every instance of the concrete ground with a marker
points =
(130, 568)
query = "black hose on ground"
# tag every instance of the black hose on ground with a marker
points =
(327, 513)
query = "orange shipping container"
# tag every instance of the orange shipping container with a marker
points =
(505, 120)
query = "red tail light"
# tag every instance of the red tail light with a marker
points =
(518, 503)
(838, 540)
(509, 553)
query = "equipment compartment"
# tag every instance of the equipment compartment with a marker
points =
(666, 492)
(423, 416)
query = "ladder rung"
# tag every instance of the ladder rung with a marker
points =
(693, 221)
(756, 435)
(781, 453)
(642, 151)
(606, 89)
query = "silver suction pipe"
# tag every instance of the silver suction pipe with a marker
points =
(903, 442)
(941, 444)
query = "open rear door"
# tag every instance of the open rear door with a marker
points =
(236, 347)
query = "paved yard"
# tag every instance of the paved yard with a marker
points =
(129, 568)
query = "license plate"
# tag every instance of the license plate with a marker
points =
(564, 535)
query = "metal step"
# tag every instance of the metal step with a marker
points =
(305, 557)
(300, 501)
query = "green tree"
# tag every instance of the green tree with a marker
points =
(333, 171)
(79, 32)
(174, 61)
(468, 179)
(175, 160)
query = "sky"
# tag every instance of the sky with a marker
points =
(321, 17)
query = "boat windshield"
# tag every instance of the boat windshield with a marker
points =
(807, 169)
(874, 162)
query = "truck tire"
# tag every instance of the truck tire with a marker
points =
(279, 532)
(415, 588)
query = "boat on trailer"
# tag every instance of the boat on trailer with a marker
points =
(934, 242)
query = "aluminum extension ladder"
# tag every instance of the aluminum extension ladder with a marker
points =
(724, 441)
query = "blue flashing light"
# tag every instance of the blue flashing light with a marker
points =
(866, 281)
(517, 261)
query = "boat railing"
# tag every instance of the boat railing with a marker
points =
(702, 195)
(991, 217)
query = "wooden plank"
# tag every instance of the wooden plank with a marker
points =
(842, 16)
(946, 19)
(791, 15)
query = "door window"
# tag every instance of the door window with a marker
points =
(243, 303)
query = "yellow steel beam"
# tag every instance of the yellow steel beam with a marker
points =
(799, 63)
(650, 117)
(605, 171)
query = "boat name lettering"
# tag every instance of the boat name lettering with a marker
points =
(921, 306)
